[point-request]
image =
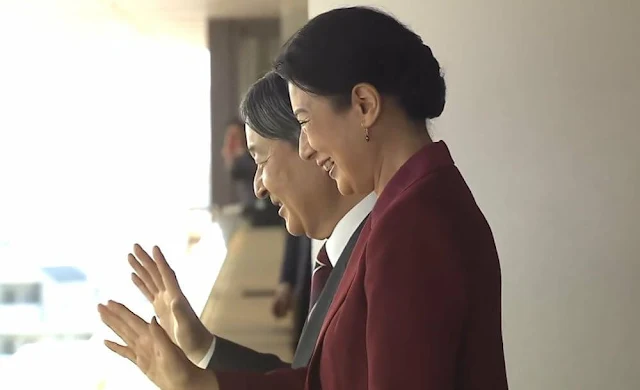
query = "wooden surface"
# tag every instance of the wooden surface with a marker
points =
(239, 307)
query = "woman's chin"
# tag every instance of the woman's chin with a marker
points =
(344, 187)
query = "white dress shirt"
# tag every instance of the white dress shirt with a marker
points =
(335, 244)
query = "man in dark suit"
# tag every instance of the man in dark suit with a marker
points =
(310, 204)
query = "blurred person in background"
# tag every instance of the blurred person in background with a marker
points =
(310, 204)
(293, 291)
(242, 168)
(239, 163)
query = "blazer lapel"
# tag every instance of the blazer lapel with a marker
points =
(345, 284)
(311, 329)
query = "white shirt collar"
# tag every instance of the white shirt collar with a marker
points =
(347, 226)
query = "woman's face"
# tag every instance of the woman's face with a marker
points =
(335, 140)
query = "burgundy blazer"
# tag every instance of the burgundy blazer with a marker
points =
(419, 306)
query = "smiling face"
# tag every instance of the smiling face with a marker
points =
(335, 140)
(306, 195)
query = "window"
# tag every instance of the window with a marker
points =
(33, 294)
(8, 295)
(7, 346)
(21, 293)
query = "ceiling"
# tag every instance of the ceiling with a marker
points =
(186, 19)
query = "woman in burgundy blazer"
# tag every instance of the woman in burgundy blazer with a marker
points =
(419, 306)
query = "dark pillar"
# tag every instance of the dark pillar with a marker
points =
(226, 39)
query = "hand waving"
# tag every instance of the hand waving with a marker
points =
(157, 282)
(149, 347)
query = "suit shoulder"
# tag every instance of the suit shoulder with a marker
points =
(420, 197)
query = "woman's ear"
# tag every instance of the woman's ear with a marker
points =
(367, 100)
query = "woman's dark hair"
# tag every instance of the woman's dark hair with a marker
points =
(266, 108)
(340, 48)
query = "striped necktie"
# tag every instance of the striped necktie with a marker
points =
(321, 271)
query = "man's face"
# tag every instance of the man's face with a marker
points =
(304, 192)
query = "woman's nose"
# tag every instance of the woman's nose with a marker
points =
(304, 149)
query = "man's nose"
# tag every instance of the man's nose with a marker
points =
(258, 187)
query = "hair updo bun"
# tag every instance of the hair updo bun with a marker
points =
(341, 48)
(430, 88)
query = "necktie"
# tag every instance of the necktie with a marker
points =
(321, 271)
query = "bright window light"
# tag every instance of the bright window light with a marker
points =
(104, 142)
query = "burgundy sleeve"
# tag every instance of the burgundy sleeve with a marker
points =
(284, 379)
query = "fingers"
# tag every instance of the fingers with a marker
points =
(118, 326)
(165, 270)
(142, 287)
(112, 316)
(125, 315)
(143, 274)
(283, 301)
(121, 350)
(281, 308)
(166, 273)
(149, 266)
(277, 309)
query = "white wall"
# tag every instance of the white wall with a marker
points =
(542, 118)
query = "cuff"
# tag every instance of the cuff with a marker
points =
(204, 363)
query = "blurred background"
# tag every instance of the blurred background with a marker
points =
(111, 134)
(116, 124)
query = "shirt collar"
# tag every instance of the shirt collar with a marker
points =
(345, 228)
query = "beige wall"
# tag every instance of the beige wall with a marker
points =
(543, 119)
(293, 15)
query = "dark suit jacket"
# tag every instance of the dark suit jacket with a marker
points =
(419, 305)
(234, 357)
